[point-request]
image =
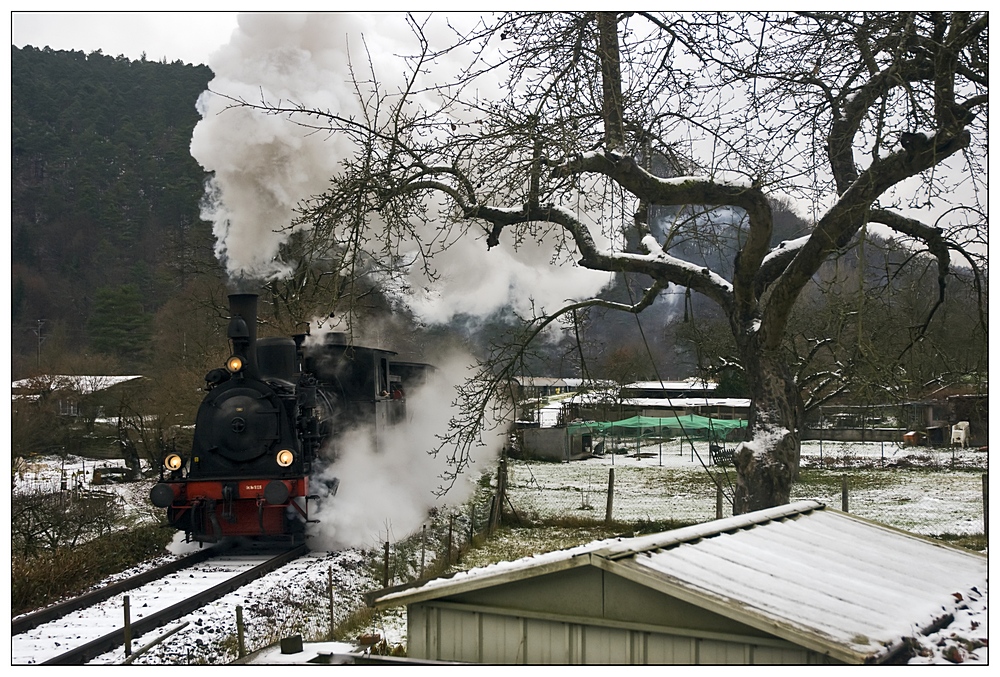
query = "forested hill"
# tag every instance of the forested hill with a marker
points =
(105, 193)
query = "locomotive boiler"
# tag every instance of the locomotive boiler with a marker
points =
(270, 417)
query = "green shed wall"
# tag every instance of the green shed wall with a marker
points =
(586, 616)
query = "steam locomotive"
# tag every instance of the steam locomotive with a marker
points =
(269, 418)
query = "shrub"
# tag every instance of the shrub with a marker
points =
(46, 576)
(42, 520)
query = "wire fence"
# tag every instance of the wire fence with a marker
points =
(922, 489)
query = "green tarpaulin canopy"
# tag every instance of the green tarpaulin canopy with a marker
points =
(692, 424)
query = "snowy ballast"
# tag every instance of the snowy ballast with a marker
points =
(826, 580)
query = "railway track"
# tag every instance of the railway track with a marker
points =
(76, 631)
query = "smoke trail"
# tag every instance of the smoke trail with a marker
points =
(391, 489)
(263, 166)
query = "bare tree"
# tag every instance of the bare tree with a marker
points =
(871, 119)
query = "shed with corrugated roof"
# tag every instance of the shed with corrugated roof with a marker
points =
(799, 583)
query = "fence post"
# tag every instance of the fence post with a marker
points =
(240, 634)
(423, 548)
(385, 565)
(329, 594)
(986, 506)
(611, 495)
(843, 493)
(496, 516)
(472, 526)
(451, 528)
(128, 629)
(718, 501)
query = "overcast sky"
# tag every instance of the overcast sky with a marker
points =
(188, 36)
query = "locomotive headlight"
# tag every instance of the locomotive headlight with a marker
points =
(285, 458)
(234, 364)
(173, 462)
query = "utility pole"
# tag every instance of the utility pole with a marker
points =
(41, 340)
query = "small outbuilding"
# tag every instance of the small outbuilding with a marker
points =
(799, 583)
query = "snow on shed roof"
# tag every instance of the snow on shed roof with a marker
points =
(818, 577)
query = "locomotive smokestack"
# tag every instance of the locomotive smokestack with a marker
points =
(245, 306)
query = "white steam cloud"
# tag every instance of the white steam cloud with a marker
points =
(263, 166)
(387, 491)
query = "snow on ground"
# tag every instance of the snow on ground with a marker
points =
(926, 491)
(919, 489)
(292, 600)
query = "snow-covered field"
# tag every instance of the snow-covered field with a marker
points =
(921, 490)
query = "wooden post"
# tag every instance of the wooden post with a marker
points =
(451, 528)
(158, 640)
(986, 507)
(843, 493)
(496, 517)
(128, 630)
(503, 493)
(611, 495)
(423, 548)
(472, 526)
(241, 647)
(329, 593)
(718, 501)
(385, 565)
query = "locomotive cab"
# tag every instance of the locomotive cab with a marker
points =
(369, 395)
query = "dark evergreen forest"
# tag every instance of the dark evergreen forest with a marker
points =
(104, 217)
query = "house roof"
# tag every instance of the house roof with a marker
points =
(84, 385)
(548, 381)
(690, 384)
(736, 402)
(664, 402)
(818, 577)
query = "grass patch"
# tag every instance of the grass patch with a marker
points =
(358, 628)
(49, 576)
(974, 542)
(830, 481)
(558, 533)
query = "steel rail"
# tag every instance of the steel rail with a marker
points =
(86, 652)
(49, 614)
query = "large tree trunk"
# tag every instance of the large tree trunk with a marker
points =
(768, 461)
